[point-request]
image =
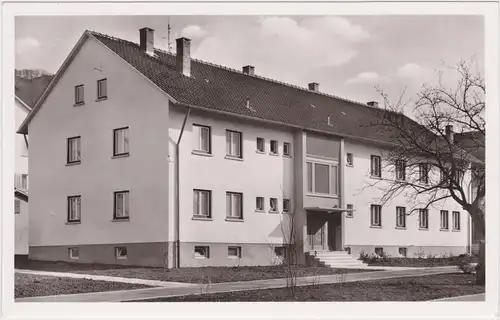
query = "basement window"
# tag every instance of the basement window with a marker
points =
(201, 252)
(234, 252)
(403, 252)
(74, 253)
(121, 252)
(379, 251)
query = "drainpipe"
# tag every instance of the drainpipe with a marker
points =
(177, 194)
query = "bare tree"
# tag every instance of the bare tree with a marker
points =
(290, 254)
(440, 155)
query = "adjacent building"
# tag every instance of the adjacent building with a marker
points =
(143, 157)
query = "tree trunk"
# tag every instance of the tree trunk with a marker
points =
(479, 228)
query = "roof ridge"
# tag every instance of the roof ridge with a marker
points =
(240, 72)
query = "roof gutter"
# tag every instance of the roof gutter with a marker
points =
(177, 194)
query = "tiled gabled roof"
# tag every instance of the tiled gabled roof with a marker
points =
(29, 90)
(219, 88)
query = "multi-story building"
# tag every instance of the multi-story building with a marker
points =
(142, 157)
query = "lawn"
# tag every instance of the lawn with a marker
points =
(418, 262)
(191, 275)
(419, 288)
(27, 285)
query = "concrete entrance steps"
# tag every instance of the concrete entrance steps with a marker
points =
(337, 259)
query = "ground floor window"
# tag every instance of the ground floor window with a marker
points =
(376, 215)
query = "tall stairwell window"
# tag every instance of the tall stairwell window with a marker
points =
(74, 153)
(79, 95)
(102, 89)
(120, 142)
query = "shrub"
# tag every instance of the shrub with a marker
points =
(464, 263)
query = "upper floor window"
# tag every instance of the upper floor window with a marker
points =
(376, 170)
(444, 219)
(233, 144)
(286, 205)
(273, 204)
(423, 217)
(456, 220)
(261, 146)
(322, 178)
(102, 89)
(21, 181)
(423, 172)
(376, 215)
(274, 147)
(120, 141)
(259, 204)
(401, 170)
(350, 211)
(121, 210)
(401, 217)
(201, 201)
(459, 175)
(287, 149)
(74, 154)
(234, 205)
(74, 208)
(350, 159)
(79, 95)
(202, 136)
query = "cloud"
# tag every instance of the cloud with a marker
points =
(368, 77)
(413, 70)
(282, 48)
(193, 32)
(24, 45)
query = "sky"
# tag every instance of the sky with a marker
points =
(349, 56)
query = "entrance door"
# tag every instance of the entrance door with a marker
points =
(316, 233)
(334, 234)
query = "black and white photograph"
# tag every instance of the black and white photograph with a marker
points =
(272, 157)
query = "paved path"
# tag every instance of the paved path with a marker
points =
(472, 297)
(141, 294)
(153, 283)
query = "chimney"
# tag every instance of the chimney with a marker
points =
(147, 41)
(183, 58)
(314, 86)
(372, 104)
(250, 70)
(449, 133)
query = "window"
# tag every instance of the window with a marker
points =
(350, 212)
(79, 96)
(74, 253)
(287, 149)
(273, 204)
(423, 173)
(234, 252)
(74, 155)
(121, 252)
(120, 141)
(401, 217)
(74, 209)
(376, 215)
(121, 211)
(286, 205)
(17, 206)
(423, 215)
(376, 170)
(444, 220)
(401, 170)
(24, 181)
(403, 252)
(233, 144)
(350, 159)
(322, 178)
(201, 252)
(379, 251)
(280, 251)
(202, 135)
(261, 145)
(259, 204)
(234, 205)
(456, 220)
(274, 147)
(202, 203)
(102, 89)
